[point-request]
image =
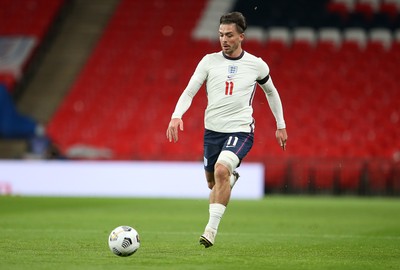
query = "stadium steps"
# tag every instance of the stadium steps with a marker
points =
(61, 56)
(31, 20)
(139, 74)
(77, 35)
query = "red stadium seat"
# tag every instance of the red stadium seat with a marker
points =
(341, 7)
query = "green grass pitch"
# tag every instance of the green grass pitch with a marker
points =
(274, 233)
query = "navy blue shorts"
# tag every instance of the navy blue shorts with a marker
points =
(239, 143)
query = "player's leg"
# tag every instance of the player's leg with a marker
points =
(213, 143)
(236, 147)
(224, 168)
(211, 183)
(211, 180)
(219, 196)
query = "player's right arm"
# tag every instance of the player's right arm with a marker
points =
(185, 100)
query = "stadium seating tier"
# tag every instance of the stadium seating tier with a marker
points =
(338, 100)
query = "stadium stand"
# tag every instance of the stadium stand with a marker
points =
(23, 27)
(136, 73)
(335, 64)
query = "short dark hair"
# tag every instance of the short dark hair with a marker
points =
(236, 18)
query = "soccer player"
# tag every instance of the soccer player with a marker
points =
(231, 77)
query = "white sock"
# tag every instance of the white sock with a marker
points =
(216, 212)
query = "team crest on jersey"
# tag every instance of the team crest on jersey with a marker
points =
(232, 70)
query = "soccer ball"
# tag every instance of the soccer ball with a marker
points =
(124, 241)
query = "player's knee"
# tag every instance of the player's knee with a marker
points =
(229, 160)
(221, 172)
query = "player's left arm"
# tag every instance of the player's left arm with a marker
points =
(275, 104)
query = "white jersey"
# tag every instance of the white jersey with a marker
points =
(230, 86)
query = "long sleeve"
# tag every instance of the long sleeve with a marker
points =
(274, 102)
(195, 82)
(183, 104)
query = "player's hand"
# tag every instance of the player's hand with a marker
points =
(172, 130)
(281, 137)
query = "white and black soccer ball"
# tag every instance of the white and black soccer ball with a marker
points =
(124, 241)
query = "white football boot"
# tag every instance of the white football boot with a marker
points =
(208, 238)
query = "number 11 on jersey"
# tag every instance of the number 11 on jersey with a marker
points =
(228, 88)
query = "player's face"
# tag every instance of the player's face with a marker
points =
(230, 39)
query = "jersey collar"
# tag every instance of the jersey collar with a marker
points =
(233, 58)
